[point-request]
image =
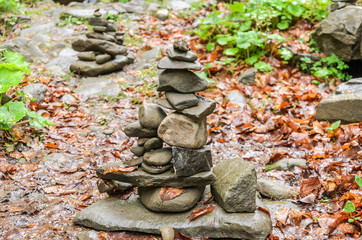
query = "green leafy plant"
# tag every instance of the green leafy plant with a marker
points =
(358, 181)
(10, 6)
(334, 126)
(349, 207)
(111, 16)
(68, 19)
(12, 69)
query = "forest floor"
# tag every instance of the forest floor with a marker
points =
(49, 175)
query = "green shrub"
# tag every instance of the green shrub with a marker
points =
(9, 6)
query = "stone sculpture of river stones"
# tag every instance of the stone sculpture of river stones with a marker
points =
(171, 152)
(101, 51)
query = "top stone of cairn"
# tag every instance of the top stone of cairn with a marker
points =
(181, 45)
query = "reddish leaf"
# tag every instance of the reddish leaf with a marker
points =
(168, 193)
(119, 169)
(264, 210)
(201, 211)
(283, 215)
(51, 145)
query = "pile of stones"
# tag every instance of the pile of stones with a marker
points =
(101, 51)
(338, 4)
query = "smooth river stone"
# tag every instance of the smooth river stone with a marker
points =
(182, 81)
(135, 129)
(134, 162)
(180, 101)
(100, 29)
(167, 63)
(151, 115)
(181, 56)
(153, 143)
(137, 150)
(100, 36)
(97, 21)
(87, 56)
(102, 58)
(155, 170)
(110, 186)
(112, 214)
(182, 131)
(93, 69)
(151, 199)
(158, 157)
(141, 178)
(102, 46)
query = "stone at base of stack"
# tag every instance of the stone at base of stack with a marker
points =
(101, 51)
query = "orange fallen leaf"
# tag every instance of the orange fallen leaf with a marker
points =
(168, 193)
(51, 145)
(119, 169)
(201, 211)
(59, 190)
(264, 210)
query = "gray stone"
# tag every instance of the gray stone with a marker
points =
(155, 169)
(340, 33)
(41, 39)
(153, 143)
(177, 5)
(93, 69)
(93, 86)
(99, 29)
(36, 90)
(141, 178)
(153, 8)
(37, 28)
(60, 65)
(151, 54)
(167, 233)
(135, 129)
(87, 56)
(352, 86)
(158, 157)
(187, 162)
(167, 63)
(79, 12)
(181, 81)
(274, 189)
(137, 150)
(180, 101)
(91, 44)
(142, 141)
(235, 185)
(287, 164)
(105, 215)
(25, 47)
(182, 131)
(181, 56)
(235, 97)
(100, 36)
(97, 21)
(162, 14)
(134, 162)
(181, 45)
(100, 59)
(248, 76)
(151, 199)
(67, 52)
(112, 185)
(68, 99)
(151, 115)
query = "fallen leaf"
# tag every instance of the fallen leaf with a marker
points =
(119, 169)
(168, 193)
(201, 211)
(283, 215)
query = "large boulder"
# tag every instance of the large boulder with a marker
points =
(235, 186)
(345, 104)
(340, 33)
(25, 47)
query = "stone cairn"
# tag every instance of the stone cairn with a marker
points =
(101, 51)
(338, 4)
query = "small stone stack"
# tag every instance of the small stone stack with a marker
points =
(338, 4)
(101, 51)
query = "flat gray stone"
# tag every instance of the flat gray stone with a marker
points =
(97, 21)
(181, 81)
(134, 162)
(94, 69)
(25, 47)
(158, 157)
(169, 179)
(167, 63)
(93, 86)
(97, 45)
(87, 56)
(112, 214)
(102, 58)
(181, 56)
(151, 115)
(155, 169)
(151, 199)
(135, 129)
(235, 185)
(180, 101)
(112, 186)
(273, 189)
(187, 162)
(100, 36)
(100, 29)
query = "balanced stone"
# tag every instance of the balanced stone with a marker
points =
(181, 45)
(97, 13)
(100, 29)
(100, 36)
(187, 162)
(97, 21)
(93, 69)
(167, 63)
(181, 81)
(182, 131)
(103, 58)
(112, 214)
(181, 56)
(151, 199)
(135, 129)
(137, 150)
(235, 185)
(153, 143)
(151, 115)
(180, 101)
(141, 178)
(103, 46)
(155, 169)
(158, 157)
(275, 189)
(87, 56)
(142, 141)
(134, 162)
(112, 185)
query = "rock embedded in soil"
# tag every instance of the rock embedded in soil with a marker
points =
(167, 233)
(138, 150)
(182, 131)
(275, 189)
(87, 56)
(112, 185)
(151, 199)
(167, 63)
(105, 216)
(235, 185)
(93, 69)
(248, 76)
(155, 169)
(144, 179)
(180, 101)
(158, 157)
(25, 47)
(182, 81)
(287, 164)
(162, 14)
(181, 56)
(151, 115)
(135, 129)
(91, 44)
(235, 97)
(187, 162)
(37, 91)
(153, 143)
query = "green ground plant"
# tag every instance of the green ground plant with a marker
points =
(12, 6)
(67, 19)
(12, 69)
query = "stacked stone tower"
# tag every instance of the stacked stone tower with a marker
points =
(101, 51)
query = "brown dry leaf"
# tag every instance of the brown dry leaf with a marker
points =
(201, 211)
(309, 185)
(283, 215)
(168, 193)
(59, 190)
(120, 169)
(318, 128)
(8, 168)
(264, 210)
